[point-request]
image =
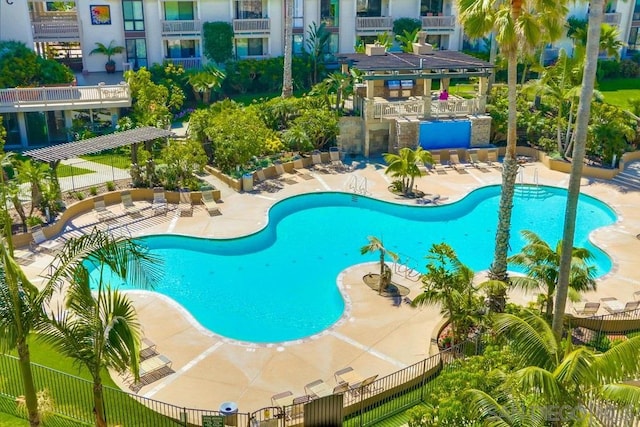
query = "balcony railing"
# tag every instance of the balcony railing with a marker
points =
(458, 107)
(612, 18)
(374, 23)
(64, 98)
(438, 23)
(187, 63)
(55, 29)
(170, 28)
(252, 26)
(396, 109)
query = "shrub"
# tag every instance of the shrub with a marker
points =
(218, 41)
(32, 221)
(79, 195)
(111, 186)
(93, 191)
(629, 69)
(406, 24)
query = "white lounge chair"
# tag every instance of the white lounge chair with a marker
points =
(587, 309)
(185, 207)
(101, 210)
(159, 204)
(210, 203)
(492, 158)
(318, 388)
(129, 206)
(154, 364)
(437, 163)
(40, 242)
(336, 162)
(613, 305)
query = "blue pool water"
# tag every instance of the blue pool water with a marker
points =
(280, 283)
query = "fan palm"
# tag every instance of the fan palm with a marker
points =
(596, 13)
(518, 25)
(35, 174)
(205, 81)
(98, 326)
(404, 165)
(556, 373)
(376, 245)
(541, 263)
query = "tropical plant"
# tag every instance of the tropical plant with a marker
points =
(20, 66)
(409, 25)
(317, 44)
(35, 174)
(610, 43)
(98, 325)
(376, 245)
(108, 51)
(541, 263)
(596, 14)
(611, 130)
(407, 39)
(449, 284)
(554, 373)
(404, 165)
(153, 104)
(205, 81)
(217, 41)
(518, 26)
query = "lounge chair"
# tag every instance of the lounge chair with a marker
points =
(341, 388)
(474, 159)
(316, 159)
(336, 163)
(159, 201)
(129, 206)
(154, 364)
(282, 399)
(185, 206)
(286, 177)
(454, 160)
(613, 305)
(147, 349)
(587, 309)
(298, 165)
(296, 410)
(101, 210)
(210, 203)
(348, 375)
(492, 158)
(437, 163)
(318, 388)
(40, 242)
(365, 386)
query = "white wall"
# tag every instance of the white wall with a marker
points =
(15, 23)
(404, 9)
(100, 33)
(347, 26)
(275, 12)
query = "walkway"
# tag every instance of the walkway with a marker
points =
(375, 337)
(101, 174)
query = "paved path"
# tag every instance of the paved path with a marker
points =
(101, 174)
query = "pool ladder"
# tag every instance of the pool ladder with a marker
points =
(357, 185)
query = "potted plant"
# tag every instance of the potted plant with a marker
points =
(108, 51)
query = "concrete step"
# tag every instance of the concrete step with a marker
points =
(626, 179)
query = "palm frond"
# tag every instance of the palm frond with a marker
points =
(483, 407)
(622, 394)
(540, 383)
(619, 362)
(531, 336)
(575, 369)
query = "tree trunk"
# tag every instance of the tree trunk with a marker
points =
(287, 78)
(493, 52)
(381, 279)
(30, 396)
(98, 403)
(498, 270)
(596, 13)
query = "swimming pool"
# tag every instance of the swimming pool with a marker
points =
(280, 284)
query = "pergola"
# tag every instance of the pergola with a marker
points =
(55, 153)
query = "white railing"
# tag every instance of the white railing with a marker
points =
(181, 27)
(55, 29)
(395, 109)
(438, 22)
(458, 107)
(612, 18)
(187, 63)
(374, 23)
(42, 97)
(252, 25)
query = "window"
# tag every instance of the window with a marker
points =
(181, 49)
(298, 44)
(634, 38)
(298, 20)
(329, 12)
(137, 52)
(249, 9)
(36, 123)
(369, 7)
(133, 15)
(249, 47)
(179, 11)
(433, 7)
(10, 123)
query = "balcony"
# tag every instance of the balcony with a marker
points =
(458, 107)
(453, 107)
(181, 28)
(64, 98)
(55, 30)
(399, 108)
(187, 63)
(373, 24)
(435, 24)
(612, 19)
(251, 26)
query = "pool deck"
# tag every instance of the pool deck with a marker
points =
(379, 336)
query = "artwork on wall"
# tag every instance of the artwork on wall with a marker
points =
(100, 15)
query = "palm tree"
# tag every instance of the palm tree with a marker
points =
(449, 283)
(287, 77)
(541, 263)
(518, 26)
(404, 165)
(596, 13)
(205, 81)
(375, 245)
(98, 326)
(108, 51)
(555, 373)
(34, 174)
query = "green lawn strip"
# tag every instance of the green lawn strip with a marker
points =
(117, 160)
(67, 170)
(73, 398)
(389, 413)
(619, 91)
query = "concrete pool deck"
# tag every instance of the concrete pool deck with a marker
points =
(378, 337)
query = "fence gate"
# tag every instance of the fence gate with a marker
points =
(271, 416)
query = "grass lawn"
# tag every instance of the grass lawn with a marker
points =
(74, 398)
(67, 170)
(118, 160)
(619, 91)
(7, 420)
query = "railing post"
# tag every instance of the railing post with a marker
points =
(422, 382)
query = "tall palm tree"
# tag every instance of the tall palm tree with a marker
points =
(449, 283)
(98, 326)
(541, 263)
(404, 165)
(596, 13)
(518, 25)
(34, 174)
(376, 245)
(555, 373)
(287, 75)
(20, 304)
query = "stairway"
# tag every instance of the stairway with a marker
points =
(629, 178)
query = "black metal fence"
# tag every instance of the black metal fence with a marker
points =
(362, 405)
